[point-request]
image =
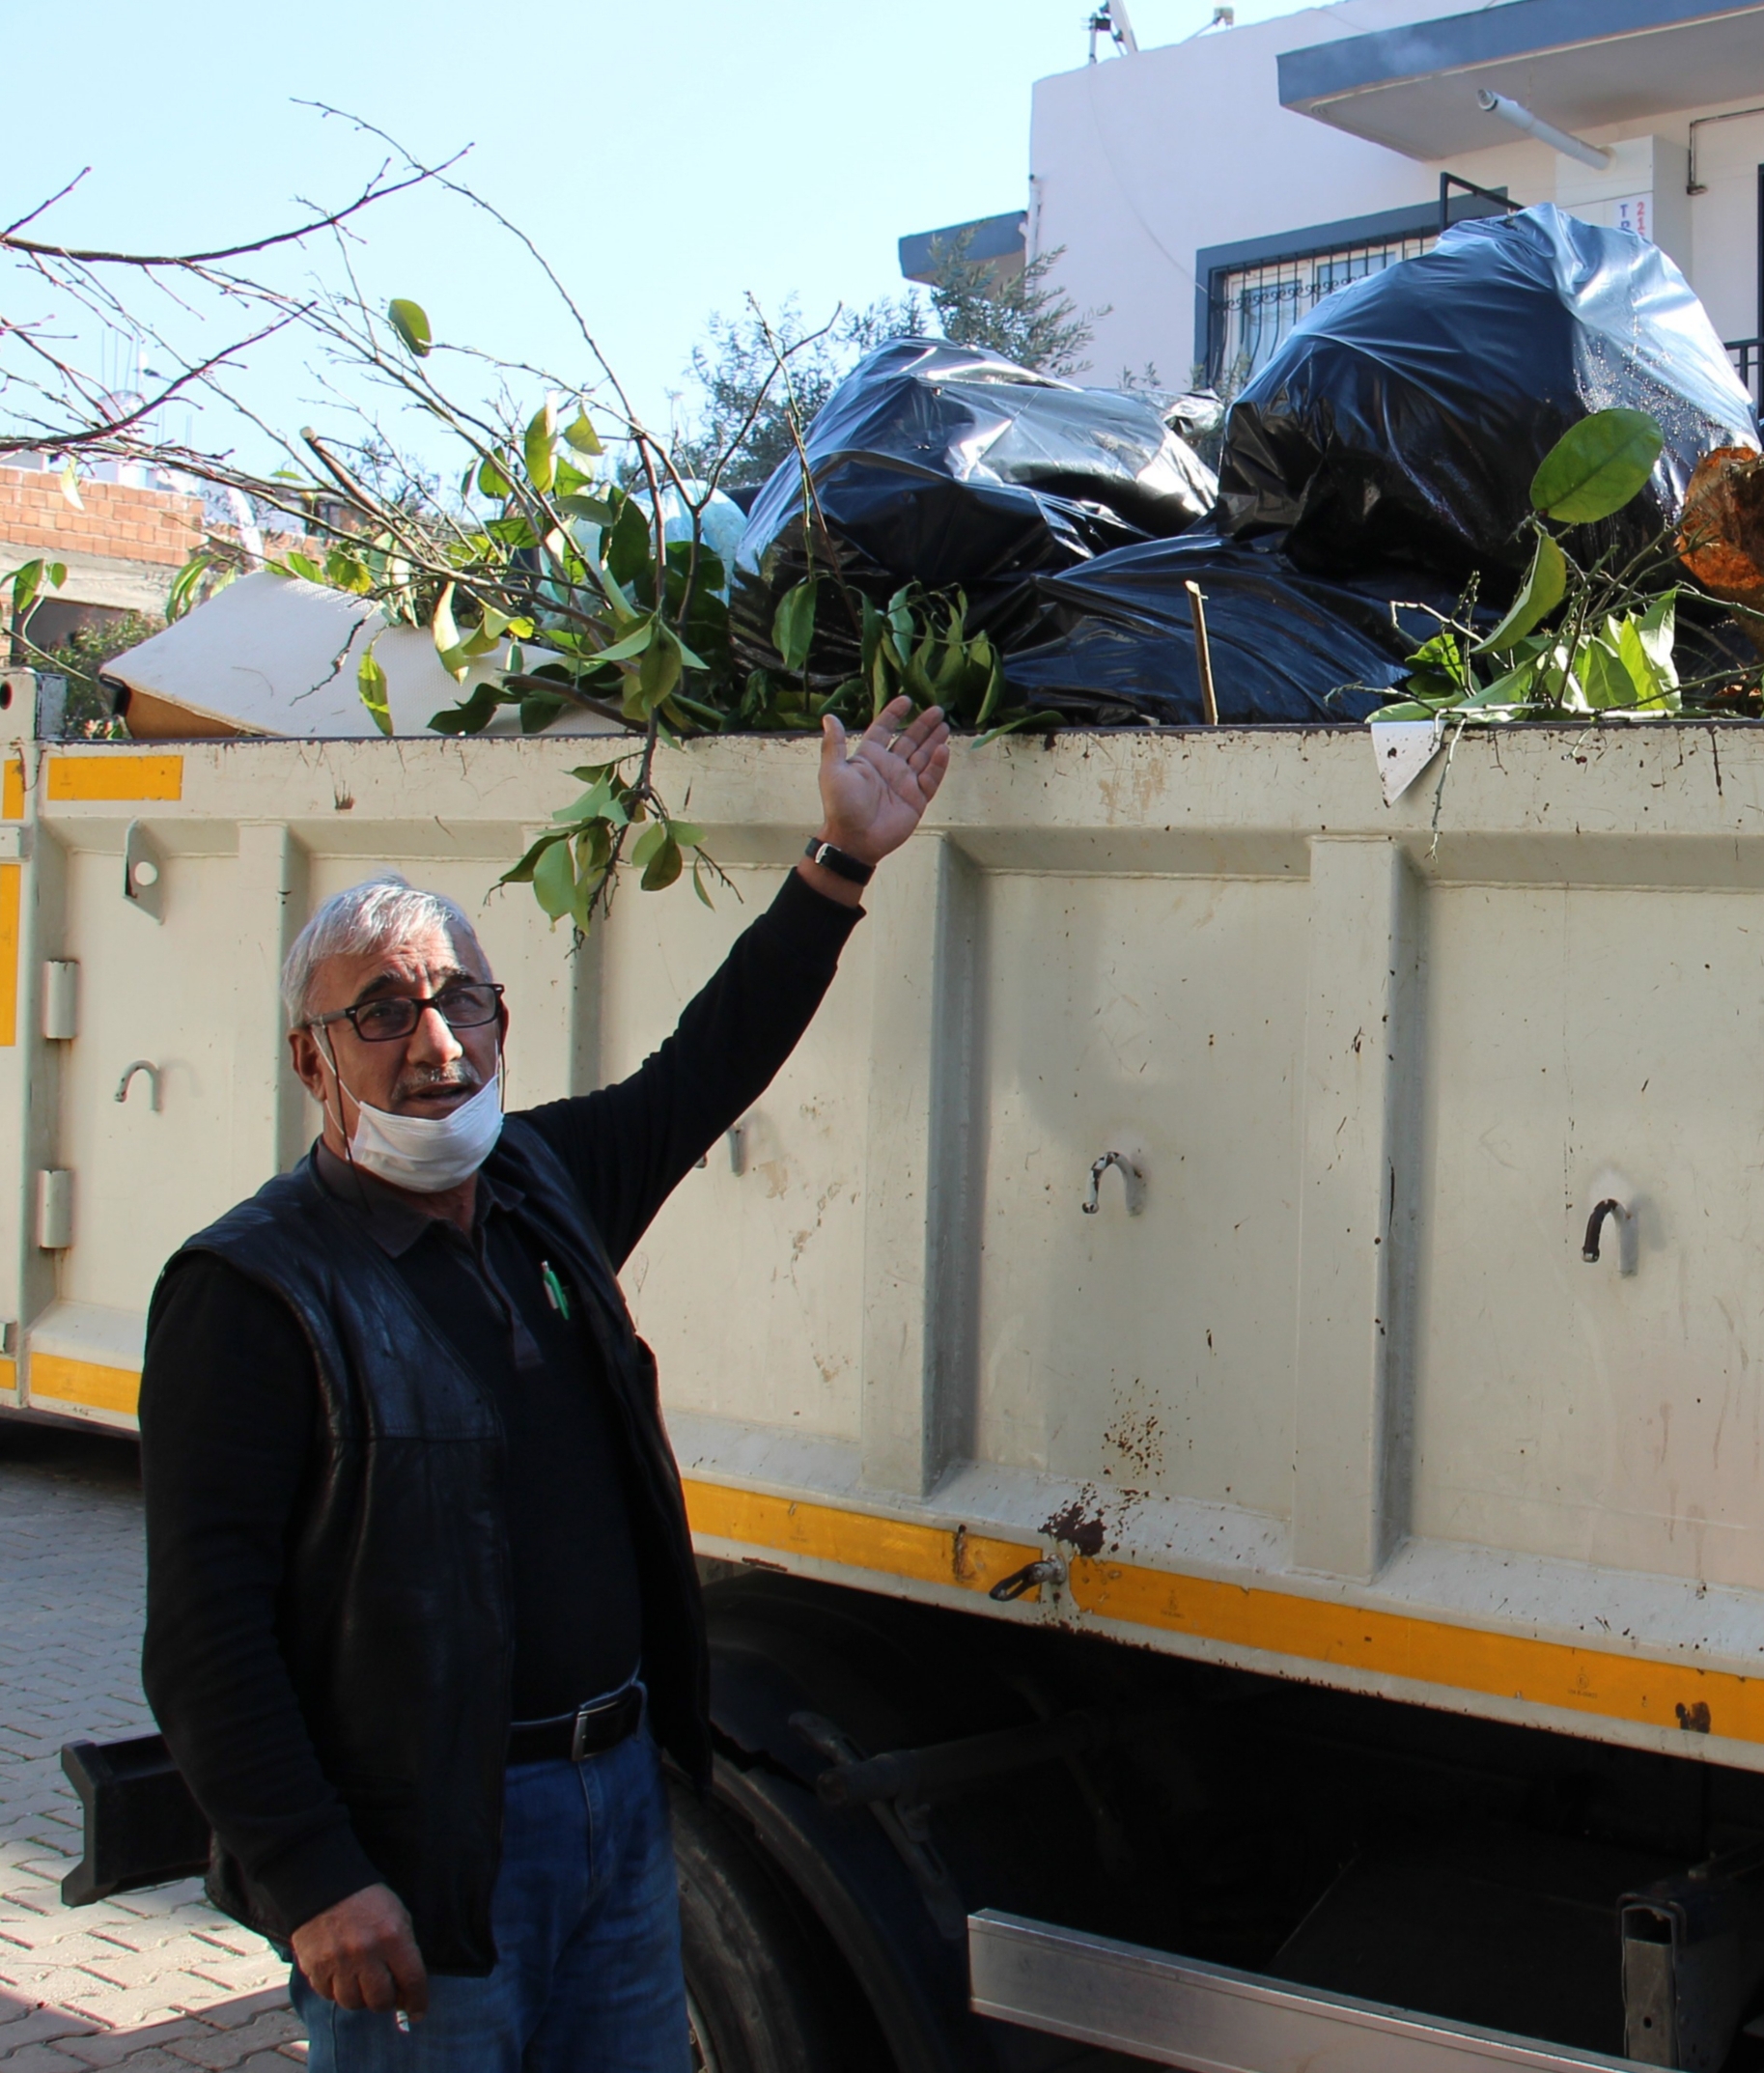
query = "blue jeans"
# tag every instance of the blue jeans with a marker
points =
(587, 1925)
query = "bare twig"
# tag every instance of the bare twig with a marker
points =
(147, 260)
(44, 208)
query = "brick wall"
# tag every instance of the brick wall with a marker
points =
(119, 523)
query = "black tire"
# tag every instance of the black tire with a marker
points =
(765, 1990)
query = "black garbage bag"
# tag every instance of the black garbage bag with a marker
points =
(1404, 418)
(1286, 647)
(948, 466)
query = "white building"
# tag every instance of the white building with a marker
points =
(1210, 192)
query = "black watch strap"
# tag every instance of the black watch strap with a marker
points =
(838, 862)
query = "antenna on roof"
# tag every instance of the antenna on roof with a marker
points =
(1110, 20)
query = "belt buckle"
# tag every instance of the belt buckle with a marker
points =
(579, 1731)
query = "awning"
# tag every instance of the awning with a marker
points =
(1579, 64)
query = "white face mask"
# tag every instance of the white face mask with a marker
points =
(427, 1154)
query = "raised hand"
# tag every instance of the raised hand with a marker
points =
(872, 796)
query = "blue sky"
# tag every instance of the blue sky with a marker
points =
(668, 155)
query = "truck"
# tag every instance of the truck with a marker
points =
(1220, 1392)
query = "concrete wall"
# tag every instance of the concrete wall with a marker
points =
(1139, 164)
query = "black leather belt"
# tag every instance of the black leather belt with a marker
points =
(602, 1725)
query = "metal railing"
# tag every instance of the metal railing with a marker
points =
(1749, 358)
(1449, 180)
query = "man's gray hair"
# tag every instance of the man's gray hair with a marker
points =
(371, 916)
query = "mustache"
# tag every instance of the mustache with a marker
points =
(460, 1075)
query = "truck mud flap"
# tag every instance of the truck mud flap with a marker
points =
(142, 1828)
(1183, 2012)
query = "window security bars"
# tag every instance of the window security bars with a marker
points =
(1257, 306)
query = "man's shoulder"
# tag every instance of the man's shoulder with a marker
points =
(287, 1236)
(286, 1199)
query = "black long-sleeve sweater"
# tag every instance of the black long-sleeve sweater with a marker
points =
(230, 1432)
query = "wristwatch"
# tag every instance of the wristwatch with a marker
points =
(835, 860)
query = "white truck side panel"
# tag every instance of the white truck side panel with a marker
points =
(1329, 1390)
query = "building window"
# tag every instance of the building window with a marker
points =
(1253, 308)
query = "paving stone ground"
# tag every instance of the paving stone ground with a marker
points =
(155, 1983)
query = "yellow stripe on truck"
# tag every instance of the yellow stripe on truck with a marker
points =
(55, 1379)
(1309, 1630)
(855, 1540)
(102, 776)
(11, 883)
(12, 789)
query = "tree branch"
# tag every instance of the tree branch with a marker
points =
(373, 192)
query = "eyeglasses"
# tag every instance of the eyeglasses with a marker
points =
(467, 1004)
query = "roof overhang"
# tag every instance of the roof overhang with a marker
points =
(1579, 64)
(997, 241)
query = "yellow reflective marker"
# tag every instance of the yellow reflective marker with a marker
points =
(115, 777)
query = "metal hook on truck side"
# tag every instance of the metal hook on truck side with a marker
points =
(147, 1066)
(1589, 1248)
(1049, 1569)
(1133, 1180)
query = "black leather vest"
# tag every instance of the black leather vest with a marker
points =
(394, 1614)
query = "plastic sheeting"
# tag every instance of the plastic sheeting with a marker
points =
(1283, 644)
(1402, 419)
(948, 466)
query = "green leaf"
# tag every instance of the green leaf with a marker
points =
(995, 680)
(659, 672)
(370, 683)
(343, 572)
(793, 624)
(303, 565)
(554, 880)
(443, 625)
(634, 644)
(1599, 671)
(582, 435)
(648, 843)
(687, 833)
(410, 321)
(184, 585)
(597, 800)
(1597, 466)
(1443, 656)
(472, 716)
(627, 547)
(1657, 629)
(664, 867)
(596, 510)
(587, 891)
(57, 574)
(492, 478)
(1518, 686)
(1406, 709)
(540, 447)
(1539, 596)
(1644, 648)
(698, 886)
(521, 874)
(1050, 721)
(27, 580)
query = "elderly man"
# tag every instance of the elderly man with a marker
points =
(421, 1599)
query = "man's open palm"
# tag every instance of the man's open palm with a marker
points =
(874, 794)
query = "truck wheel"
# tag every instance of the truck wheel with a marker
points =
(762, 1995)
